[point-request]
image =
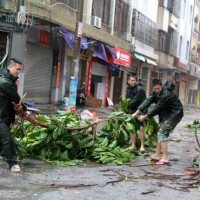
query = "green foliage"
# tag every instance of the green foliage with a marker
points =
(122, 125)
(124, 105)
(194, 125)
(57, 145)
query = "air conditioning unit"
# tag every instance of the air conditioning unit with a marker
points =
(133, 41)
(127, 36)
(21, 17)
(96, 21)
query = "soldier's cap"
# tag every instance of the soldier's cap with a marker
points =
(15, 60)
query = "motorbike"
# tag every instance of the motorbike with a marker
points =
(81, 97)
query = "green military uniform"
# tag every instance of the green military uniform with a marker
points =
(8, 94)
(169, 109)
(137, 95)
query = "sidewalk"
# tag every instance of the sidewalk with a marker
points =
(52, 109)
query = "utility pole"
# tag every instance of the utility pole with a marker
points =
(78, 34)
(76, 56)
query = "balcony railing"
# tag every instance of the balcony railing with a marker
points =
(168, 42)
(144, 29)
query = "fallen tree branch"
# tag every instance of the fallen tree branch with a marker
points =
(148, 192)
(174, 188)
(197, 140)
(65, 186)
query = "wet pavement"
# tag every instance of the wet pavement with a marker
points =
(91, 181)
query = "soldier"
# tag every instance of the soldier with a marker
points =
(8, 96)
(170, 111)
(136, 93)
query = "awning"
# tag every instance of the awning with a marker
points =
(100, 52)
(69, 37)
(110, 52)
(151, 62)
(139, 57)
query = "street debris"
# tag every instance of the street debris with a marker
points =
(65, 186)
(182, 182)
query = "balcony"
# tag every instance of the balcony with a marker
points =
(143, 29)
(168, 42)
(55, 11)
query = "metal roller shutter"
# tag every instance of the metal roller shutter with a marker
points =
(38, 70)
(98, 69)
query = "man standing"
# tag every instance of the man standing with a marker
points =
(136, 93)
(8, 96)
(170, 111)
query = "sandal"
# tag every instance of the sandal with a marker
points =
(162, 162)
(152, 159)
(15, 169)
(132, 148)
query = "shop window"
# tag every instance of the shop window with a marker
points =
(95, 80)
(144, 78)
(3, 42)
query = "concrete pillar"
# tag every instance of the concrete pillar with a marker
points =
(111, 87)
(129, 25)
(87, 11)
(112, 16)
(124, 83)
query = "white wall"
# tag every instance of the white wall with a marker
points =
(185, 27)
(148, 7)
(163, 19)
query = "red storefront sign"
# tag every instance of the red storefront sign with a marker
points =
(123, 58)
(44, 38)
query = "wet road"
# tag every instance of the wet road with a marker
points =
(91, 181)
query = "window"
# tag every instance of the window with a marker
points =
(164, 41)
(184, 5)
(187, 51)
(121, 16)
(101, 8)
(143, 29)
(180, 46)
(3, 43)
(173, 42)
(190, 18)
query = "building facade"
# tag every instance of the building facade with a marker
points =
(116, 37)
(194, 61)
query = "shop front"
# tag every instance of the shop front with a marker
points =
(119, 79)
(194, 97)
(38, 67)
(181, 80)
(98, 83)
(98, 75)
